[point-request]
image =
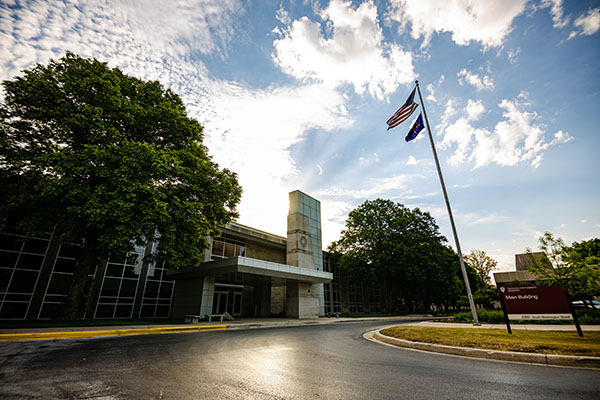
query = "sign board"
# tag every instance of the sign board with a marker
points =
(535, 303)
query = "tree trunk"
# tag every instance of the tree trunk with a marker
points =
(85, 263)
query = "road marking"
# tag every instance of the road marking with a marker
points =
(114, 332)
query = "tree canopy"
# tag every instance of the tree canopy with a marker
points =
(94, 154)
(574, 267)
(482, 264)
(401, 249)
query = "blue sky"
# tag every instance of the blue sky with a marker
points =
(295, 95)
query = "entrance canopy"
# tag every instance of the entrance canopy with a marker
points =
(254, 267)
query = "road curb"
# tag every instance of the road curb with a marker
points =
(532, 358)
(11, 337)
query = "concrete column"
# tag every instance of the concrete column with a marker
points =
(208, 294)
(302, 301)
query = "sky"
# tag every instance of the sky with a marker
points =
(296, 95)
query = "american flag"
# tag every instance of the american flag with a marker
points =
(403, 112)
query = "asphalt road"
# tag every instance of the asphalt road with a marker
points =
(306, 362)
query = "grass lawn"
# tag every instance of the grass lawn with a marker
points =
(545, 342)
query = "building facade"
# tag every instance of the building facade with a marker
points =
(247, 272)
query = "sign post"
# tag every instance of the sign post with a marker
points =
(534, 303)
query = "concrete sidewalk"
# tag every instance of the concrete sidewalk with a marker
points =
(52, 333)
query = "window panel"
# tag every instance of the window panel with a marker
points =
(11, 242)
(65, 265)
(23, 281)
(115, 270)
(30, 261)
(59, 284)
(37, 246)
(8, 259)
(128, 287)
(110, 287)
(13, 310)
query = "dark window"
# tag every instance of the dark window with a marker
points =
(110, 287)
(23, 281)
(128, 287)
(11, 242)
(65, 265)
(115, 270)
(37, 246)
(105, 311)
(13, 310)
(30, 261)
(59, 284)
(8, 259)
(123, 311)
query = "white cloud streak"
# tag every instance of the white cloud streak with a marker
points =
(516, 139)
(479, 82)
(487, 22)
(353, 53)
(587, 24)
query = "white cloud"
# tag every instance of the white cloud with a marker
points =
(479, 82)
(353, 52)
(588, 24)
(556, 10)
(474, 109)
(583, 221)
(516, 139)
(412, 161)
(487, 22)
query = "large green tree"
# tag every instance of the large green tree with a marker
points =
(106, 158)
(402, 250)
(575, 266)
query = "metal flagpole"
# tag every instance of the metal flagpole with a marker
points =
(460, 256)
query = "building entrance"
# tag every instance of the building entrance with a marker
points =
(228, 298)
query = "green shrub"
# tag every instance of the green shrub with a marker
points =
(485, 316)
(588, 317)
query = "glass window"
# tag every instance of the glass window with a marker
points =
(151, 291)
(105, 311)
(229, 250)
(69, 250)
(217, 249)
(8, 259)
(110, 287)
(11, 242)
(13, 310)
(5, 275)
(59, 284)
(128, 288)
(30, 261)
(37, 246)
(65, 265)
(23, 281)
(115, 270)
(124, 311)
(166, 289)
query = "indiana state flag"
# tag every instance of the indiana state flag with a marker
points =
(414, 131)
